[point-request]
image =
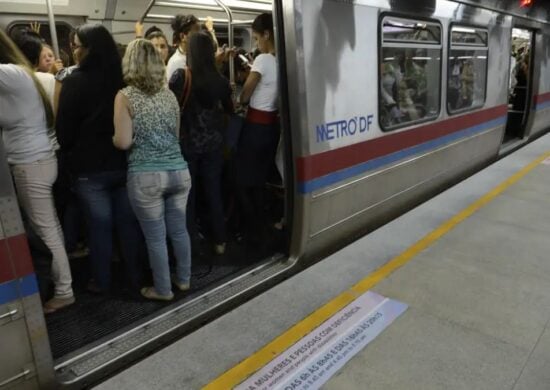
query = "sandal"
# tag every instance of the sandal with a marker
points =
(151, 293)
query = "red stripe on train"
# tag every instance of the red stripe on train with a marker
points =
(317, 165)
(6, 269)
(542, 98)
(17, 248)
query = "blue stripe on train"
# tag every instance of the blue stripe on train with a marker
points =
(18, 288)
(542, 106)
(355, 170)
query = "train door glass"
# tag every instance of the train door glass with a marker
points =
(519, 89)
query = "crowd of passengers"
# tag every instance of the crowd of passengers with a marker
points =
(404, 88)
(128, 142)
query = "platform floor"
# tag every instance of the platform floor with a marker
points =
(478, 296)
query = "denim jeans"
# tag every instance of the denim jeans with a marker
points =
(159, 200)
(208, 167)
(105, 201)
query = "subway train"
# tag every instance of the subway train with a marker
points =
(383, 104)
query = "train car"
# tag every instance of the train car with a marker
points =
(383, 103)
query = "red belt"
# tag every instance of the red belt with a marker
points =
(261, 117)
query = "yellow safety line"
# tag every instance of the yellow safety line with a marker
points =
(253, 363)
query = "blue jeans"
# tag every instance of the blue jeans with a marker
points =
(105, 201)
(159, 200)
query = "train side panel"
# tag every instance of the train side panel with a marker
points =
(355, 180)
(28, 365)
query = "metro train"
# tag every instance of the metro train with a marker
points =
(383, 104)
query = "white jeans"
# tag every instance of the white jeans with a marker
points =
(34, 184)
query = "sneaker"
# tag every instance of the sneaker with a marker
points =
(151, 293)
(180, 286)
(219, 249)
(57, 303)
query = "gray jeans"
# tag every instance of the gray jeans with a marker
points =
(159, 200)
(34, 184)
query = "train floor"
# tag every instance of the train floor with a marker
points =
(472, 264)
(96, 318)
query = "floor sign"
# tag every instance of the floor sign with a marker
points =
(311, 362)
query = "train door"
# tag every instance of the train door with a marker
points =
(520, 85)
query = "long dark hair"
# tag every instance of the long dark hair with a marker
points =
(30, 45)
(102, 54)
(181, 24)
(10, 54)
(202, 63)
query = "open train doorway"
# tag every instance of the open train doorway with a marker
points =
(254, 248)
(520, 84)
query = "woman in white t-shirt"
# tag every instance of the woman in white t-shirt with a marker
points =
(25, 120)
(260, 134)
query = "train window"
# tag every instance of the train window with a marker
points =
(410, 72)
(467, 75)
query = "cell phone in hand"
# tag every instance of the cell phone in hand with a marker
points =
(245, 60)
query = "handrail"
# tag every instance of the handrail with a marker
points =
(53, 30)
(230, 24)
(149, 6)
(229, 38)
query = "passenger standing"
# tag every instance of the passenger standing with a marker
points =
(47, 59)
(183, 26)
(260, 135)
(32, 48)
(467, 83)
(203, 123)
(85, 129)
(25, 120)
(157, 38)
(67, 201)
(147, 124)
(61, 74)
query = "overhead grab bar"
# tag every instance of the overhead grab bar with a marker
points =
(231, 41)
(229, 38)
(149, 6)
(53, 30)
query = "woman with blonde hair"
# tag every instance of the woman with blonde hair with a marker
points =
(147, 124)
(26, 120)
